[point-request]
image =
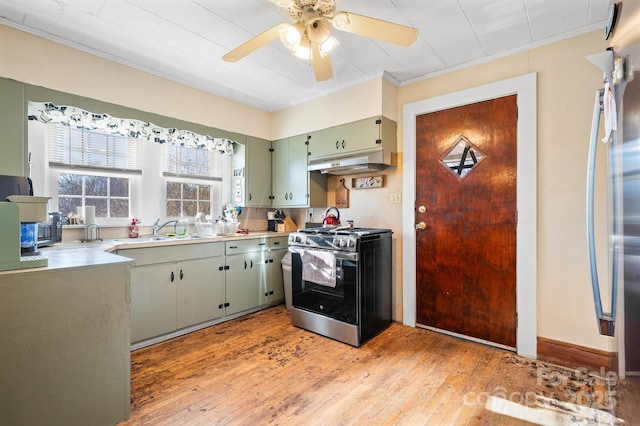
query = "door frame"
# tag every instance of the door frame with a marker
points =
(525, 87)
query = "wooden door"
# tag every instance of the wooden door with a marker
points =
(466, 197)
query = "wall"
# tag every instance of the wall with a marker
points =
(32, 59)
(361, 101)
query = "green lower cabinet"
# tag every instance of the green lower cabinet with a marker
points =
(170, 296)
(243, 282)
(175, 290)
(274, 285)
(199, 291)
(153, 301)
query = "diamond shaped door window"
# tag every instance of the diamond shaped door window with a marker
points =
(462, 157)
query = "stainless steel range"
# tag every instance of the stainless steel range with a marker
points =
(341, 282)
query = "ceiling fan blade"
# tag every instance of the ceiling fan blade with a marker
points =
(321, 64)
(254, 44)
(375, 28)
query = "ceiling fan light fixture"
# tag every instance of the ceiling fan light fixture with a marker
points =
(291, 37)
(318, 30)
(329, 44)
(303, 51)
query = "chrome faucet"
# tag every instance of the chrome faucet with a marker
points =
(157, 228)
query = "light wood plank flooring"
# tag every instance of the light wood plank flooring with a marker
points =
(260, 370)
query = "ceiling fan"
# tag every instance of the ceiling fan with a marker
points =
(309, 36)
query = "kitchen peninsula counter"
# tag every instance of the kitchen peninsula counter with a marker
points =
(66, 333)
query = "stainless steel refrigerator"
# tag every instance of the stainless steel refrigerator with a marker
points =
(617, 115)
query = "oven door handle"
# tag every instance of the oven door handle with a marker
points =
(342, 255)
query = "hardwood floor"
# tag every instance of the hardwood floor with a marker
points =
(259, 369)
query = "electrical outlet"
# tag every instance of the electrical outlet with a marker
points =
(396, 197)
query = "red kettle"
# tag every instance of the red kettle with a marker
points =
(331, 220)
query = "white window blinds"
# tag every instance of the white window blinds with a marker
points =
(70, 146)
(192, 162)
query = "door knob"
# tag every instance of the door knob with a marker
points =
(421, 225)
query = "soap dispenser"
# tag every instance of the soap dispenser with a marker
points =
(133, 228)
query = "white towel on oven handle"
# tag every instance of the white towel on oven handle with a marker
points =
(319, 267)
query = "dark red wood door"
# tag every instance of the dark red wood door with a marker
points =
(466, 198)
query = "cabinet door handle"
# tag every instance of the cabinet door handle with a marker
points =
(270, 293)
(173, 277)
(276, 243)
(181, 275)
(221, 268)
(250, 197)
(233, 247)
(245, 264)
(266, 293)
(226, 268)
(262, 244)
(291, 196)
(252, 263)
(270, 260)
(343, 144)
(286, 196)
(220, 306)
(337, 144)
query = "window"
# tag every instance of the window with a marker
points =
(185, 161)
(102, 157)
(193, 177)
(125, 177)
(109, 195)
(187, 199)
(70, 146)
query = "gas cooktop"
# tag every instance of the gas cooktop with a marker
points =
(343, 230)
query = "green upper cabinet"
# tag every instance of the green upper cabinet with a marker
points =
(13, 123)
(363, 135)
(293, 186)
(251, 174)
(290, 171)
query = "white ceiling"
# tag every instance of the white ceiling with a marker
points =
(184, 40)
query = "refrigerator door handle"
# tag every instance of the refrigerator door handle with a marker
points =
(606, 322)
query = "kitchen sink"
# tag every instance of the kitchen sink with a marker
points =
(159, 238)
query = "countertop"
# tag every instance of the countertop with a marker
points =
(76, 254)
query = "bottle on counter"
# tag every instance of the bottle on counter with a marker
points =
(133, 228)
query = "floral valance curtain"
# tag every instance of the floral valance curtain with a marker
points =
(47, 112)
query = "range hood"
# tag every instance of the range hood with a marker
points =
(357, 162)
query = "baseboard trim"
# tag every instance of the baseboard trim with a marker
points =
(575, 356)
